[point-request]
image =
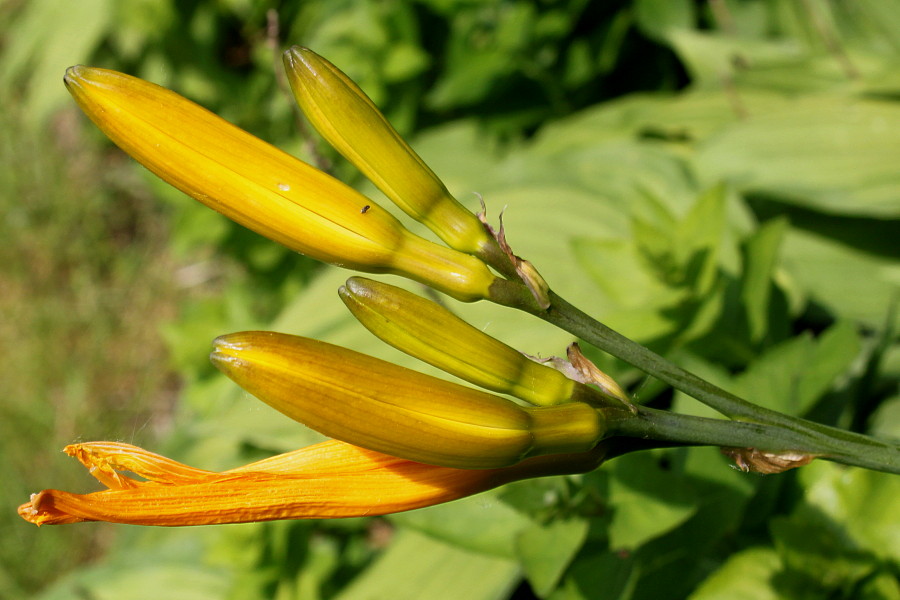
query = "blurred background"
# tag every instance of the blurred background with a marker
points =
(717, 179)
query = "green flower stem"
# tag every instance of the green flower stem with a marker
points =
(665, 426)
(753, 426)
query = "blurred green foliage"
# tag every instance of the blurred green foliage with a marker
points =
(715, 179)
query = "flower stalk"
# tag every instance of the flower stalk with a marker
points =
(774, 431)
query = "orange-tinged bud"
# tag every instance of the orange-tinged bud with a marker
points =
(263, 188)
(354, 126)
(378, 405)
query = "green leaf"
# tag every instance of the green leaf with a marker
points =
(40, 46)
(416, 566)
(545, 551)
(882, 586)
(148, 562)
(698, 238)
(761, 252)
(746, 575)
(793, 375)
(848, 282)
(594, 576)
(481, 524)
(658, 18)
(539, 499)
(647, 501)
(886, 419)
(814, 554)
(863, 502)
(829, 153)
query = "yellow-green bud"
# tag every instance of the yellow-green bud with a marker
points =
(350, 122)
(431, 333)
(263, 188)
(380, 406)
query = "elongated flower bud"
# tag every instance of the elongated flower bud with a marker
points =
(380, 406)
(431, 333)
(263, 188)
(350, 122)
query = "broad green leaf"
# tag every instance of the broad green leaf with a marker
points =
(630, 299)
(404, 61)
(620, 270)
(793, 375)
(40, 46)
(814, 553)
(712, 57)
(886, 419)
(682, 120)
(746, 575)
(646, 500)
(149, 561)
(656, 283)
(850, 283)
(594, 576)
(623, 174)
(480, 524)
(545, 550)
(539, 499)
(862, 503)
(658, 18)
(883, 586)
(833, 154)
(415, 566)
(113, 581)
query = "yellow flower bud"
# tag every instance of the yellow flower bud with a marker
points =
(383, 407)
(263, 188)
(350, 122)
(431, 333)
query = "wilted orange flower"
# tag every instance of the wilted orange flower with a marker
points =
(327, 480)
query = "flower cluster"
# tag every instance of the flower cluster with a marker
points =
(401, 439)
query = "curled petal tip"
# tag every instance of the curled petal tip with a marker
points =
(71, 74)
(298, 55)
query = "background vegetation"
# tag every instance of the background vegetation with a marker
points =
(717, 179)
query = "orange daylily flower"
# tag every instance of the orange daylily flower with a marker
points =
(327, 480)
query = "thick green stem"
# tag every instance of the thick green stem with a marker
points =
(666, 426)
(754, 426)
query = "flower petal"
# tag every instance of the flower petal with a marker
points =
(327, 480)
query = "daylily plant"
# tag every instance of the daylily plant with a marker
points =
(402, 440)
